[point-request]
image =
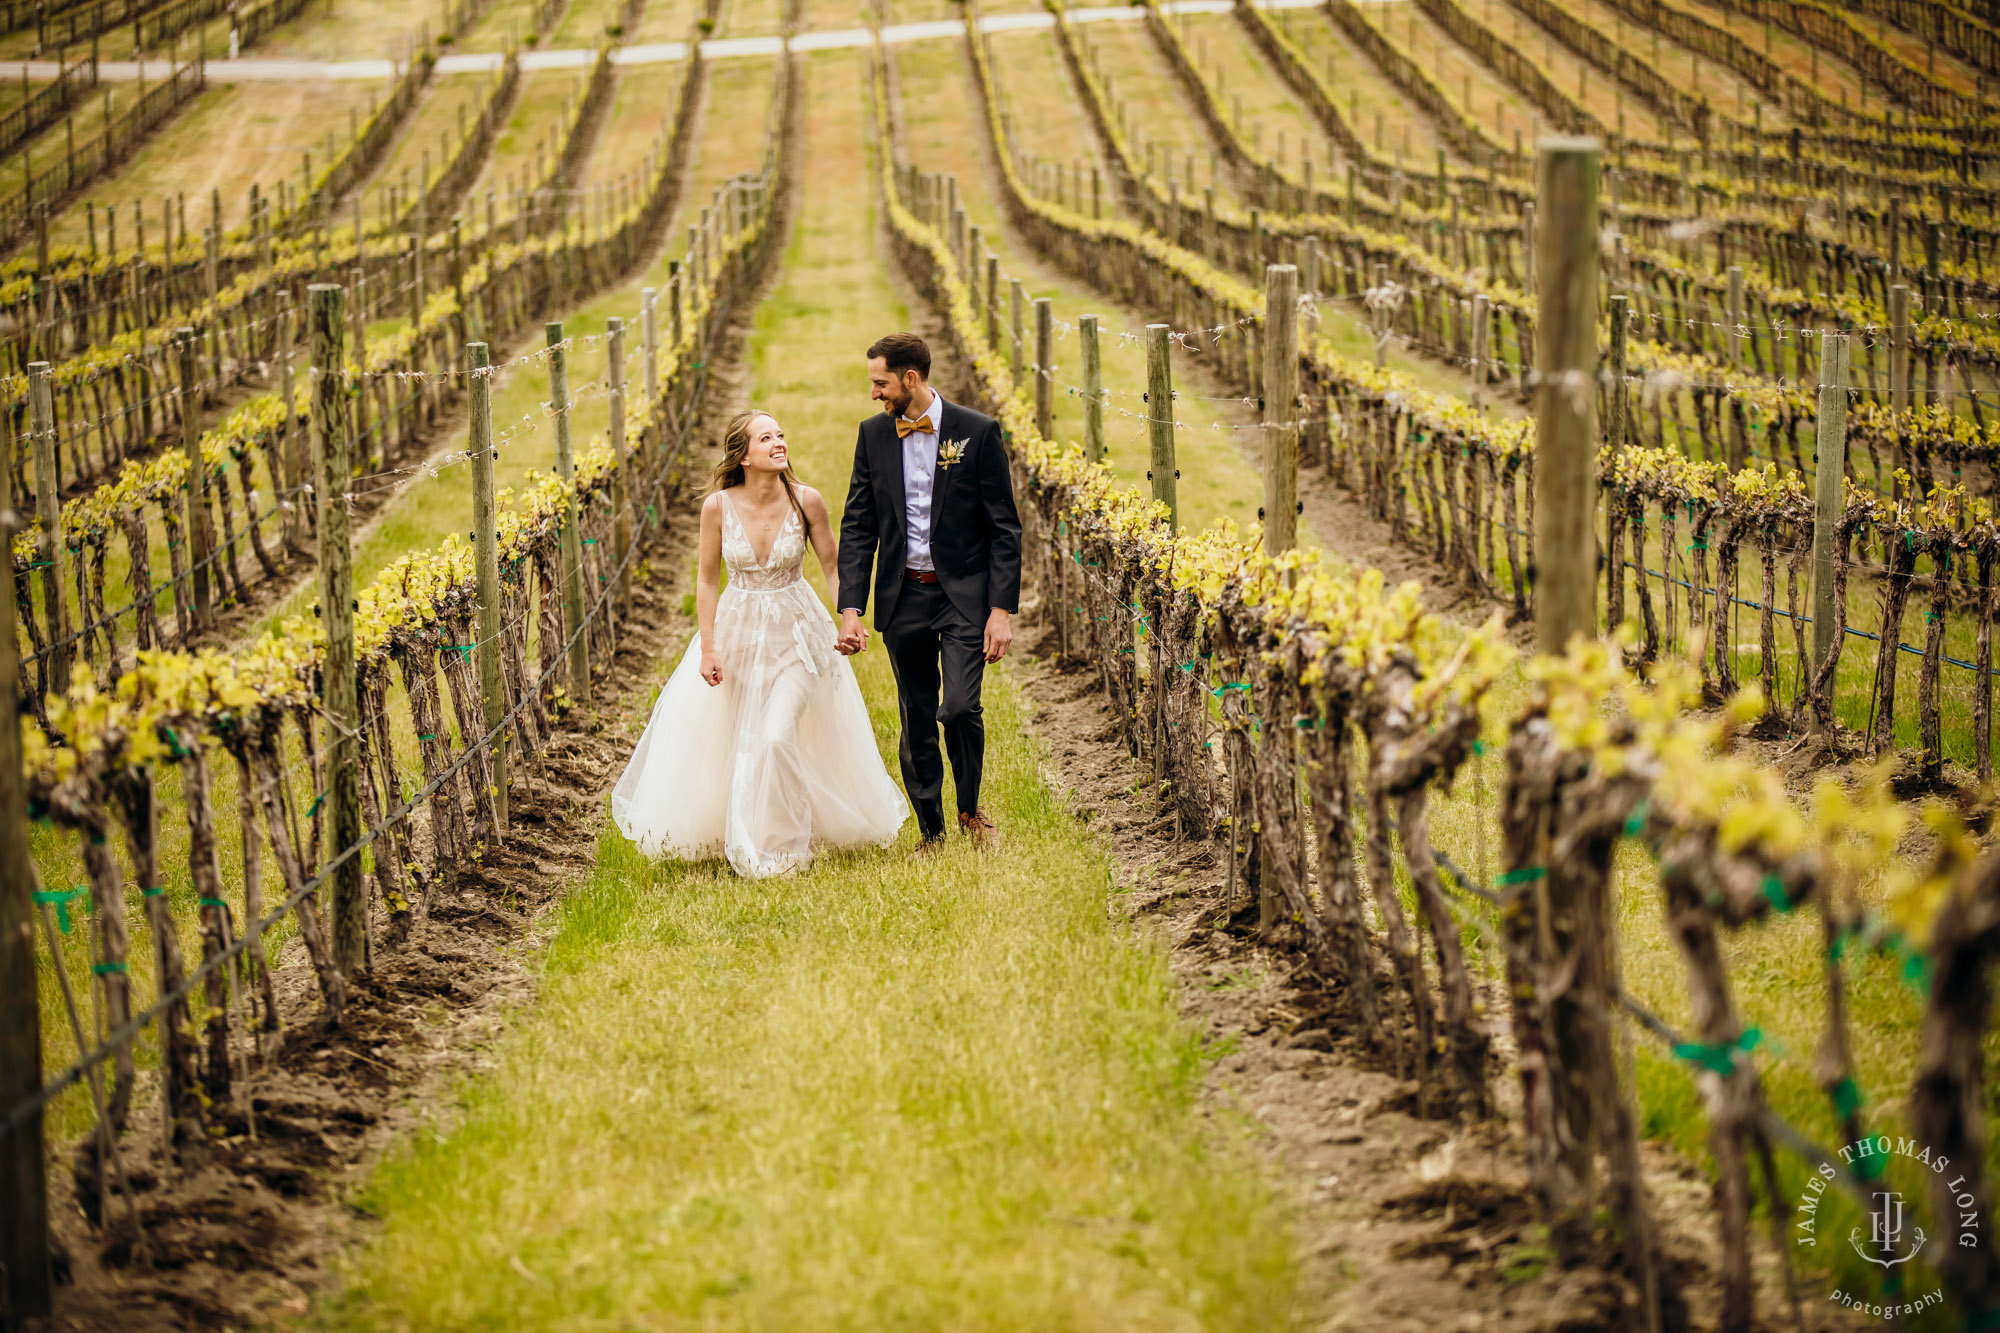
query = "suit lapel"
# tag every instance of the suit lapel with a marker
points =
(941, 476)
(892, 468)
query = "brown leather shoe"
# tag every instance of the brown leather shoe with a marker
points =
(980, 829)
(929, 849)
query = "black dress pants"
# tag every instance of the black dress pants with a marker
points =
(939, 659)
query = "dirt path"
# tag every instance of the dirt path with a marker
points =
(1407, 1224)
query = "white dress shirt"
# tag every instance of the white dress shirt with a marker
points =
(920, 449)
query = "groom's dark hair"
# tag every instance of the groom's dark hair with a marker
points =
(901, 352)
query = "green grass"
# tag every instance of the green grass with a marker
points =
(1375, 108)
(882, 1094)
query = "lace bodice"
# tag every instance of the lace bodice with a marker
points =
(779, 759)
(783, 567)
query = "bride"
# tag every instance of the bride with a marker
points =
(760, 744)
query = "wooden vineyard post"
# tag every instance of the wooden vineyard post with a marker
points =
(676, 326)
(1829, 474)
(1899, 364)
(1566, 357)
(333, 458)
(357, 308)
(1093, 390)
(993, 300)
(1378, 314)
(1045, 376)
(1572, 909)
(1481, 318)
(486, 571)
(50, 551)
(1614, 441)
(1281, 408)
(457, 271)
(212, 246)
(296, 473)
(624, 481)
(649, 340)
(25, 1280)
(1160, 418)
(1017, 361)
(418, 292)
(197, 478)
(1528, 246)
(1733, 335)
(1739, 444)
(572, 535)
(1280, 345)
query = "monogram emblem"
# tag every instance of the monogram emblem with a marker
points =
(1885, 1233)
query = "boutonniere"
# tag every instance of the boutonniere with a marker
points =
(950, 451)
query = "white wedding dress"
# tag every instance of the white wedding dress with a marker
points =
(777, 761)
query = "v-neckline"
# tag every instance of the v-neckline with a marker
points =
(761, 560)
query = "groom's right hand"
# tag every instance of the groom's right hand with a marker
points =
(853, 634)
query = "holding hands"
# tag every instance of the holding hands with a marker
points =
(853, 635)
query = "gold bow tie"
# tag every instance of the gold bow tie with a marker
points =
(905, 426)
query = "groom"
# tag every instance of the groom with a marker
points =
(931, 493)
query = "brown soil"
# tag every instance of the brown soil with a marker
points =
(1406, 1222)
(236, 1240)
(240, 1238)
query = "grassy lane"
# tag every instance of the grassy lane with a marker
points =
(267, 125)
(1049, 122)
(1491, 100)
(340, 30)
(1836, 78)
(1155, 108)
(1375, 107)
(528, 145)
(750, 18)
(822, 15)
(449, 102)
(586, 24)
(1261, 107)
(643, 99)
(875, 1096)
(1676, 62)
(508, 22)
(664, 21)
(1434, 50)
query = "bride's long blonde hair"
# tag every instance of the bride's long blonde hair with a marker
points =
(735, 448)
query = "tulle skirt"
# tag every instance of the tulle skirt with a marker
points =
(776, 762)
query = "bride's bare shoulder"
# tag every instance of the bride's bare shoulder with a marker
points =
(812, 502)
(712, 506)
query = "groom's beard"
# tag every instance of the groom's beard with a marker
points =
(895, 406)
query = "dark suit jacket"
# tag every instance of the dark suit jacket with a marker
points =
(975, 531)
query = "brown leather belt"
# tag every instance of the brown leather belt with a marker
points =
(921, 575)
